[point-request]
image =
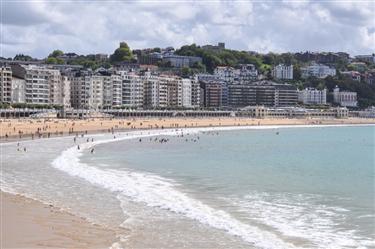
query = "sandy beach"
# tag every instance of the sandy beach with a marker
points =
(37, 128)
(26, 223)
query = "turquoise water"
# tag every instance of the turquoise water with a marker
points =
(257, 188)
(318, 181)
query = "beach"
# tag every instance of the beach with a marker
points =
(27, 223)
(37, 128)
(47, 226)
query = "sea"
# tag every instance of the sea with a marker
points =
(224, 187)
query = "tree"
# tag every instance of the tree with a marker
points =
(22, 57)
(53, 60)
(56, 53)
(297, 75)
(185, 72)
(122, 54)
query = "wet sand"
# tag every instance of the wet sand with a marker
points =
(26, 223)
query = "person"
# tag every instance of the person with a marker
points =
(92, 140)
(74, 139)
(24, 149)
(78, 147)
(92, 150)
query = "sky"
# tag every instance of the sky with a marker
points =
(37, 27)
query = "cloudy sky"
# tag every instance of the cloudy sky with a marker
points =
(38, 27)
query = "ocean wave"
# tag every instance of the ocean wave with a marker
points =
(299, 216)
(158, 192)
(155, 191)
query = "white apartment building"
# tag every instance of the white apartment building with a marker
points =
(65, 89)
(5, 84)
(186, 93)
(132, 90)
(37, 85)
(195, 93)
(43, 85)
(317, 70)
(312, 96)
(245, 74)
(96, 92)
(116, 92)
(18, 90)
(344, 98)
(282, 71)
(169, 91)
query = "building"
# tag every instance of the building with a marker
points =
(312, 96)
(217, 48)
(116, 90)
(245, 74)
(211, 94)
(242, 95)
(181, 61)
(282, 71)
(38, 85)
(42, 85)
(366, 58)
(132, 90)
(317, 70)
(150, 59)
(195, 93)
(359, 66)
(344, 98)
(354, 75)
(264, 93)
(19, 90)
(5, 84)
(186, 85)
(66, 98)
(322, 57)
(226, 74)
(369, 77)
(174, 92)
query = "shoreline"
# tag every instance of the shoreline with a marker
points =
(30, 223)
(32, 129)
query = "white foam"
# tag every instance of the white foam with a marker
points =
(298, 216)
(159, 192)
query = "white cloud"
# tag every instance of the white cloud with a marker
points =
(38, 27)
